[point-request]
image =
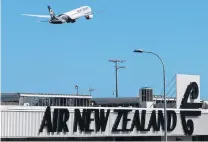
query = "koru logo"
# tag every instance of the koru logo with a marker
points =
(51, 12)
(193, 91)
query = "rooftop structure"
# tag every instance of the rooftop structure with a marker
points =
(43, 99)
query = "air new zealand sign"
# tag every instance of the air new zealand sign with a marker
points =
(58, 123)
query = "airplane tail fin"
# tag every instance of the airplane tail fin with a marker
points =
(52, 14)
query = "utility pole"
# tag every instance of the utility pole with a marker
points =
(117, 67)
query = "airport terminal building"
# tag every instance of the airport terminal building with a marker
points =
(65, 117)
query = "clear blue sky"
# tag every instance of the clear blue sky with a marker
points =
(46, 58)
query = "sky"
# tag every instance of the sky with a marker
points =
(47, 58)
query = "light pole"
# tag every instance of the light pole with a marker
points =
(165, 113)
(77, 88)
(116, 71)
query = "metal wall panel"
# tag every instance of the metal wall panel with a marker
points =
(25, 122)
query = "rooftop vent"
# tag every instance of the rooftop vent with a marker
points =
(146, 94)
(146, 97)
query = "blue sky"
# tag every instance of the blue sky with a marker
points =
(46, 58)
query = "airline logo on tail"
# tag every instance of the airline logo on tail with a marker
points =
(52, 14)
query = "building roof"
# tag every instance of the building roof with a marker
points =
(48, 95)
(10, 97)
(123, 100)
(14, 97)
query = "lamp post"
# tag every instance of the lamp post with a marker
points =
(165, 113)
(116, 70)
(77, 88)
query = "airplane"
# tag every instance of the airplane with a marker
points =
(68, 17)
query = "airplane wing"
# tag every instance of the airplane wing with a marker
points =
(40, 16)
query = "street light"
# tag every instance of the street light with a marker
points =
(77, 88)
(116, 70)
(165, 113)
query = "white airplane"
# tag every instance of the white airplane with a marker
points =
(68, 17)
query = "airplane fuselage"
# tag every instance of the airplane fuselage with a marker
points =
(71, 16)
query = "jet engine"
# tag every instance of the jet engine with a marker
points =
(89, 16)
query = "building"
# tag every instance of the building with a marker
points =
(33, 116)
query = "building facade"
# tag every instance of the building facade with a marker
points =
(80, 117)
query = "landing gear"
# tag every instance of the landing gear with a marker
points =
(71, 21)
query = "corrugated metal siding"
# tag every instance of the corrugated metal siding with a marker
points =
(20, 124)
(25, 122)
